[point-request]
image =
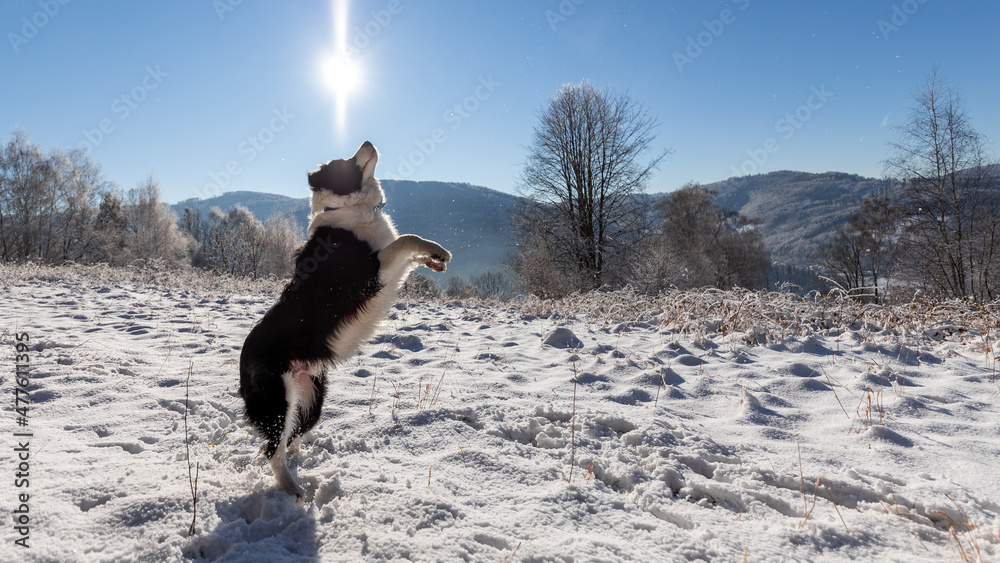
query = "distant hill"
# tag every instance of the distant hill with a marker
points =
(470, 221)
(260, 204)
(797, 210)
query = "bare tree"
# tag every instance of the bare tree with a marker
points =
(26, 198)
(110, 230)
(950, 189)
(535, 262)
(456, 288)
(493, 285)
(860, 254)
(699, 244)
(580, 180)
(842, 257)
(419, 285)
(47, 202)
(237, 243)
(80, 187)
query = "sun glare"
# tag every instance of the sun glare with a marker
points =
(340, 75)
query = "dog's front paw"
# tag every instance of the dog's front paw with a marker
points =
(436, 265)
(438, 257)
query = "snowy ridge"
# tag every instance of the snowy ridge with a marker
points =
(470, 221)
(705, 425)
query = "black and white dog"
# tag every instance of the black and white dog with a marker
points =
(346, 278)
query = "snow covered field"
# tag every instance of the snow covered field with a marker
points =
(708, 426)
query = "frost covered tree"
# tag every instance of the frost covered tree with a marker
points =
(950, 189)
(152, 235)
(456, 288)
(110, 230)
(246, 242)
(493, 285)
(281, 237)
(419, 285)
(79, 187)
(584, 167)
(237, 243)
(699, 244)
(48, 202)
(234, 242)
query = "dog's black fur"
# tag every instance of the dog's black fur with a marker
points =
(322, 295)
(346, 277)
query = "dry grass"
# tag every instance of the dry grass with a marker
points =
(758, 317)
(97, 276)
(192, 480)
(762, 317)
(963, 533)
(572, 427)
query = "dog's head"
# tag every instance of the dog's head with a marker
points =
(347, 183)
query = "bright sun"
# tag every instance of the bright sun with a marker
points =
(340, 75)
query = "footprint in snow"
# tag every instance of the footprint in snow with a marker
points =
(130, 448)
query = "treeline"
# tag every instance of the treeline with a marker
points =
(488, 285)
(682, 241)
(938, 230)
(239, 244)
(58, 207)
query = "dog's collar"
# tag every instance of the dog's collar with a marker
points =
(377, 207)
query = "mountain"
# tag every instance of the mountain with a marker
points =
(798, 211)
(470, 221)
(260, 204)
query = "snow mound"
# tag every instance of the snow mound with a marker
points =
(563, 337)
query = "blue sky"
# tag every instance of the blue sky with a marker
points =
(212, 96)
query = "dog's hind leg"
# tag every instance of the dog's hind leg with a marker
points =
(295, 445)
(283, 477)
(298, 395)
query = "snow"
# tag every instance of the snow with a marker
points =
(700, 426)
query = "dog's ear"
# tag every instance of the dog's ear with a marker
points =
(366, 158)
(316, 178)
